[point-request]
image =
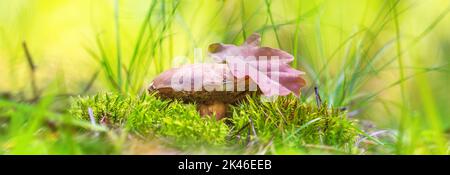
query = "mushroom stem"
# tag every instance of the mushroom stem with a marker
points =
(213, 108)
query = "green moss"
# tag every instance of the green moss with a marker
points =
(253, 126)
(150, 117)
(292, 124)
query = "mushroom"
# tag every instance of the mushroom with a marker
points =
(215, 87)
(238, 71)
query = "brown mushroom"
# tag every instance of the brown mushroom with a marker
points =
(218, 87)
(212, 86)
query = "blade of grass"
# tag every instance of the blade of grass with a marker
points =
(118, 45)
(140, 37)
(269, 12)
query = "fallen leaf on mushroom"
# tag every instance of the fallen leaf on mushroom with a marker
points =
(237, 72)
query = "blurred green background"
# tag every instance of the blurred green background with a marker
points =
(386, 61)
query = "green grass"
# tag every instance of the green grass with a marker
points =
(34, 129)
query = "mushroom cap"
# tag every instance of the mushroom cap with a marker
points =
(238, 71)
(202, 83)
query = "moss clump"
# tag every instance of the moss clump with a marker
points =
(150, 117)
(286, 123)
(290, 123)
